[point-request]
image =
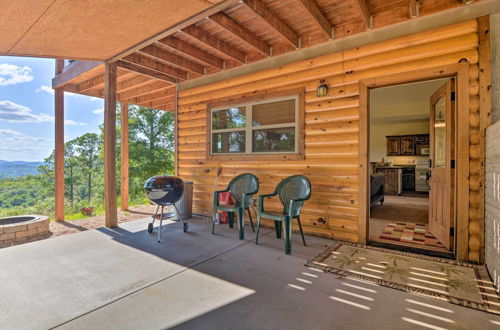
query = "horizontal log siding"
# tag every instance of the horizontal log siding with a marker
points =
(331, 124)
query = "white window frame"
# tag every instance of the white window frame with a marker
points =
(249, 128)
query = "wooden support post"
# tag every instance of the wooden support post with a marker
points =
(124, 156)
(59, 147)
(110, 207)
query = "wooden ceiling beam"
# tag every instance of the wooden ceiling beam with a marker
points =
(159, 94)
(273, 21)
(363, 10)
(173, 59)
(193, 52)
(241, 33)
(146, 71)
(158, 104)
(312, 9)
(214, 43)
(134, 82)
(94, 82)
(144, 90)
(149, 63)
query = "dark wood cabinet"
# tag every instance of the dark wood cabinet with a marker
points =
(393, 145)
(392, 181)
(407, 145)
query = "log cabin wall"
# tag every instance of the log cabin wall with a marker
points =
(331, 127)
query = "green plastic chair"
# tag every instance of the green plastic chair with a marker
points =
(293, 192)
(242, 188)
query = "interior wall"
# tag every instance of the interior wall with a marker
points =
(331, 124)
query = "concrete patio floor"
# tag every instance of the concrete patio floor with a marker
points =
(124, 279)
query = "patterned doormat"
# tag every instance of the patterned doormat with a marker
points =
(446, 280)
(416, 233)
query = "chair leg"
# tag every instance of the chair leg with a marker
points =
(251, 221)
(277, 228)
(241, 222)
(301, 231)
(258, 227)
(230, 215)
(288, 235)
(213, 222)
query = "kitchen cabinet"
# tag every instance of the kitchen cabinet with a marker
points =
(407, 145)
(393, 183)
(393, 146)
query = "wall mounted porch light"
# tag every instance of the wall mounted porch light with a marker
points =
(322, 89)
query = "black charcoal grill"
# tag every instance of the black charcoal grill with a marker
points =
(164, 190)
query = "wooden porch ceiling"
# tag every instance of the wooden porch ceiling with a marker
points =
(245, 31)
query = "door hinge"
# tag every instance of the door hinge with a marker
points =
(453, 96)
(452, 163)
(452, 231)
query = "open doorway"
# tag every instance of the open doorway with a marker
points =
(411, 172)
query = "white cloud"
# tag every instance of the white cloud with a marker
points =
(45, 88)
(50, 90)
(11, 74)
(98, 111)
(15, 145)
(12, 112)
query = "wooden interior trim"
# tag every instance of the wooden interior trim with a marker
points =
(461, 72)
(485, 104)
(364, 158)
(273, 21)
(300, 155)
(241, 33)
(312, 9)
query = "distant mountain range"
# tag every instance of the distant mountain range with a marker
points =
(18, 168)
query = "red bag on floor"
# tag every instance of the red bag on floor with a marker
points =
(225, 199)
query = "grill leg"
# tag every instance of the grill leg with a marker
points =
(178, 214)
(161, 223)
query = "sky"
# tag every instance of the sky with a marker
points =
(27, 110)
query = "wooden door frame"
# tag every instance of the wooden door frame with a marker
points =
(461, 72)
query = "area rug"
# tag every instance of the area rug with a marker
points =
(416, 233)
(446, 280)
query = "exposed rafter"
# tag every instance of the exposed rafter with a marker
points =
(134, 82)
(215, 43)
(146, 71)
(144, 90)
(312, 9)
(364, 12)
(241, 33)
(193, 52)
(159, 94)
(173, 59)
(152, 64)
(93, 82)
(273, 21)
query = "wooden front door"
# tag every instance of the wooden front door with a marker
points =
(442, 139)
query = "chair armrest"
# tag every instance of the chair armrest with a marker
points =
(216, 196)
(261, 200)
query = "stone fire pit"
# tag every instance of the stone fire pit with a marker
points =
(24, 228)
